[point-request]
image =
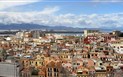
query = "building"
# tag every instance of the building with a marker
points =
(26, 72)
(117, 46)
(116, 32)
(37, 34)
(90, 32)
(9, 69)
(82, 73)
(53, 69)
(101, 73)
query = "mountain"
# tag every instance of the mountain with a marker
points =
(28, 20)
(35, 26)
(26, 26)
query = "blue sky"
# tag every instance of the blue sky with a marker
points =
(73, 13)
(72, 6)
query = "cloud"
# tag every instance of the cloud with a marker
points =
(4, 4)
(50, 10)
(107, 0)
(38, 17)
(48, 17)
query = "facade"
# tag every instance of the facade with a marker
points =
(90, 32)
(9, 70)
(53, 69)
(117, 46)
(83, 73)
(37, 34)
(101, 73)
(26, 73)
(116, 33)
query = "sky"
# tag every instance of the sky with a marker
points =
(71, 13)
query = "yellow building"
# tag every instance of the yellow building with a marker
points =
(83, 72)
(101, 73)
(38, 61)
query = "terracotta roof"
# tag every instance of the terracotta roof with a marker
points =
(54, 64)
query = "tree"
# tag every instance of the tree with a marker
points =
(3, 54)
(121, 35)
(35, 71)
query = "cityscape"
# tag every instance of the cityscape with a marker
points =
(61, 38)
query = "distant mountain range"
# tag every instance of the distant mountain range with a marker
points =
(43, 27)
(36, 26)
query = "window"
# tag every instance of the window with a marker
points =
(100, 63)
(101, 48)
(121, 46)
(79, 72)
(117, 47)
(49, 69)
(74, 63)
(55, 70)
(86, 72)
(106, 48)
(36, 63)
(78, 63)
(42, 57)
(49, 74)
(55, 74)
(30, 62)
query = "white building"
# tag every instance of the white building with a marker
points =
(9, 70)
(90, 32)
(118, 47)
